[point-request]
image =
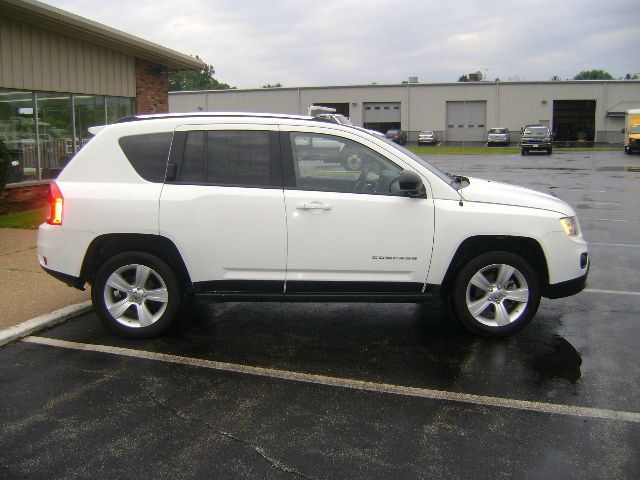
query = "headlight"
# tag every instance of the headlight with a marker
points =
(570, 225)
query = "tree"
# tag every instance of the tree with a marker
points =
(463, 78)
(593, 75)
(632, 76)
(556, 78)
(196, 80)
(275, 85)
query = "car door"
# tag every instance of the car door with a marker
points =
(350, 228)
(223, 207)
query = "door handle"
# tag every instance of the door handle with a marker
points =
(314, 206)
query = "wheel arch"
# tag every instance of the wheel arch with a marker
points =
(527, 248)
(108, 245)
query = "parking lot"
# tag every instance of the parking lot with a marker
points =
(268, 390)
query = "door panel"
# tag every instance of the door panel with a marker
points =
(226, 233)
(349, 222)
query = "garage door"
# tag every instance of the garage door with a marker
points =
(466, 121)
(381, 112)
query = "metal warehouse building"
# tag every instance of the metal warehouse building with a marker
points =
(578, 111)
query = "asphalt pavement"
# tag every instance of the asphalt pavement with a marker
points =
(268, 390)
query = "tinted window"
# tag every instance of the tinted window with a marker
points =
(238, 158)
(148, 154)
(192, 168)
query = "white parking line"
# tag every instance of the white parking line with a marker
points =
(597, 203)
(615, 244)
(348, 383)
(607, 220)
(612, 292)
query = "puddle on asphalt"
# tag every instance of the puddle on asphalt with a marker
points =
(557, 359)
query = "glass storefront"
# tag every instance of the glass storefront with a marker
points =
(17, 131)
(61, 121)
(118, 107)
(55, 132)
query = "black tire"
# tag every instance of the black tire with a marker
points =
(502, 308)
(139, 276)
(627, 151)
(523, 151)
(549, 151)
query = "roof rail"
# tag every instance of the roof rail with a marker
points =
(159, 116)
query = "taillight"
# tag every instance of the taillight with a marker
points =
(56, 201)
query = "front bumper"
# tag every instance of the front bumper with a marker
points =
(567, 288)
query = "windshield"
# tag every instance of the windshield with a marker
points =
(537, 131)
(635, 129)
(498, 130)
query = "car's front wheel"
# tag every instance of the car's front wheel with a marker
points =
(496, 294)
(136, 295)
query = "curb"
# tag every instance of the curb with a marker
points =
(43, 321)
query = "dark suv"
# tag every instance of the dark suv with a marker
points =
(397, 136)
(536, 138)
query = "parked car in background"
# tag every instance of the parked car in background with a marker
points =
(427, 137)
(536, 138)
(398, 136)
(498, 136)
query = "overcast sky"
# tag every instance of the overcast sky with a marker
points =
(343, 42)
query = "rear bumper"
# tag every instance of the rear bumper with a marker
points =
(70, 280)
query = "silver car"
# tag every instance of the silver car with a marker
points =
(427, 137)
(498, 136)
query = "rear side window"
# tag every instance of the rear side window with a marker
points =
(148, 154)
(240, 158)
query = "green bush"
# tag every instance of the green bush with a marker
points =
(5, 159)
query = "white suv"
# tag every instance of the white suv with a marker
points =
(242, 207)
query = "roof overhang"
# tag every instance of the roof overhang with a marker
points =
(51, 18)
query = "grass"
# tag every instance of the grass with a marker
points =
(29, 219)
(494, 150)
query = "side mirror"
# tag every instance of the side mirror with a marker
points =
(411, 183)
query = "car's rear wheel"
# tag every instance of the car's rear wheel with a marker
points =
(136, 295)
(496, 294)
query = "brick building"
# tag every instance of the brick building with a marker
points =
(61, 74)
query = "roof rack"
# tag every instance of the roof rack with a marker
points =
(159, 116)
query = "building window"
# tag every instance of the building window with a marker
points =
(55, 132)
(89, 111)
(17, 133)
(55, 118)
(118, 107)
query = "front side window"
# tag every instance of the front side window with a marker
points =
(240, 158)
(329, 163)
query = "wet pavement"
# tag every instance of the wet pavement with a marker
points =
(557, 400)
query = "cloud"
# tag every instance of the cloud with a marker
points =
(335, 42)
